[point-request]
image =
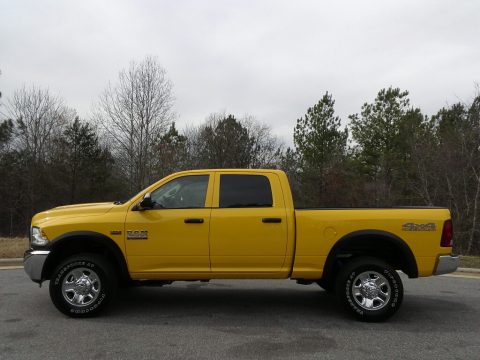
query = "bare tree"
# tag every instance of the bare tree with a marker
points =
(134, 113)
(267, 148)
(223, 141)
(38, 116)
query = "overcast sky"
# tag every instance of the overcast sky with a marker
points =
(270, 59)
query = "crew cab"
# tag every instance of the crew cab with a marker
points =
(234, 224)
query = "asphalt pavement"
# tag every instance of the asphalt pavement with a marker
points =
(241, 319)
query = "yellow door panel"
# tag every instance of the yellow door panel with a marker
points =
(172, 244)
(240, 241)
(248, 239)
(178, 238)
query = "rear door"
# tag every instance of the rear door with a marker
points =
(248, 226)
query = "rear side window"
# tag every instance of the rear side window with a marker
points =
(245, 191)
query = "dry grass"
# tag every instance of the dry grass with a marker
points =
(13, 247)
(470, 261)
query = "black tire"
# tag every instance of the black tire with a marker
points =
(91, 295)
(368, 299)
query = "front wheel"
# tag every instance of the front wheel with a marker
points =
(369, 288)
(82, 285)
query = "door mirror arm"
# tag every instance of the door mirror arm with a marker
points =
(146, 204)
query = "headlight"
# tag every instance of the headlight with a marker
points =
(38, 237)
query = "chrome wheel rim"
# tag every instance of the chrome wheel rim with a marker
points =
(371, 290)
(81, 287)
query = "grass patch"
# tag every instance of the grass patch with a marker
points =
(13, 247)
(470, 261)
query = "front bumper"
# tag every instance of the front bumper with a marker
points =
(447, 264)
(33, 261)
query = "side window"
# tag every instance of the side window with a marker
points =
(245, 191)
(183, 192)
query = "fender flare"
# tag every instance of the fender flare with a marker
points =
(98, 238)
(391, 239)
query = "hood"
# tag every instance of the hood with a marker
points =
(73, 211)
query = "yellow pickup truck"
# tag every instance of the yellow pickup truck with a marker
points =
(234, 224)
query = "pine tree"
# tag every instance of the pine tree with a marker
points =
(320, 145)
(384, 134)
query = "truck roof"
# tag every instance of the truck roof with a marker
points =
(234, 170)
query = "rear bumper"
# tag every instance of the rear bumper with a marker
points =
(33, 262)
(447, 264)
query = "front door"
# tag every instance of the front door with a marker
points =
(248, 229)
(172, 238)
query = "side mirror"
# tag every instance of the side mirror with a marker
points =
(146, 203)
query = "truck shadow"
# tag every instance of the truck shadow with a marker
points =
(252, 310)
(222, 304)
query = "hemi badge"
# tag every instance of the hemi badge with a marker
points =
(115, 232)
(137, 234)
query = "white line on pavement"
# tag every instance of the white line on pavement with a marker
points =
(10, 267)
(462, 276)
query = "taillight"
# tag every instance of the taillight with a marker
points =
(447, 234)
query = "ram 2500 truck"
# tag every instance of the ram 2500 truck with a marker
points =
(234, 224)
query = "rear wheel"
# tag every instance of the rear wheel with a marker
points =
(82, 285)
(369, 288)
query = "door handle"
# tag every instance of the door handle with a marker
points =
(271, 220)
(193, 221)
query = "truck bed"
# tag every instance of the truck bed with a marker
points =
(319, 229)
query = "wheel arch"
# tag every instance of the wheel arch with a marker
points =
(77, 242)
(377, 243)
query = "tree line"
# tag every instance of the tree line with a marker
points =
(388, 154)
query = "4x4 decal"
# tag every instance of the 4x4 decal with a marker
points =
(419, 227)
